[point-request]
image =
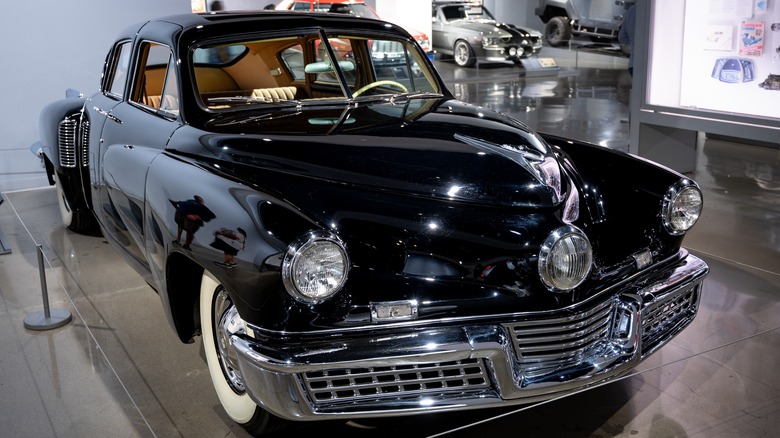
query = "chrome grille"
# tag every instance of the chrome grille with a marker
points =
(67, 141)
(661, 317)
(350, 384)
(551, 343)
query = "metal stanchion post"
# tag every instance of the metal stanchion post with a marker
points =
(48, 318)
(3, 248)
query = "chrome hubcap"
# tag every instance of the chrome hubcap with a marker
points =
(461, 54)
(227, 323)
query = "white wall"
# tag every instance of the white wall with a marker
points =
(409, 14)
(49, 46)
(519, 13)
(416, 14)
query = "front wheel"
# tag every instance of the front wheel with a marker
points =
(557, 32)
(219, 320)
(464, 54)
(81, 221)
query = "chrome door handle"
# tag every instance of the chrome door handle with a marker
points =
(106, 114)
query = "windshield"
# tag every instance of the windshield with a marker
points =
(466, 12)
(307, 69)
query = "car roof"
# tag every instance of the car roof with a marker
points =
(197, 26)
(320, 1)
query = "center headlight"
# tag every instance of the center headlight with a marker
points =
(315, 267)
(565, 259)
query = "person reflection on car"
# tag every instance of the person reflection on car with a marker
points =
(190, 216)
(230, 242)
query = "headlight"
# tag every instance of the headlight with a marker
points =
(681, 207)
(315, 267)
(491, 41)
(565, 259)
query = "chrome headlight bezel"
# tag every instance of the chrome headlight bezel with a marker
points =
(491, 41)
(681, 207)
(315, 267)
(568, 246)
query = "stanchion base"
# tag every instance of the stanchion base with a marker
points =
(39, 321)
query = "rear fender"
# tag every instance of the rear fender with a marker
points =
(48, 127)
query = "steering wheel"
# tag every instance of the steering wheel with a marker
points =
(379, 84)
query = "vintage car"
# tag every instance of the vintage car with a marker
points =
(350, 241)
(468, 32)
(357, 8)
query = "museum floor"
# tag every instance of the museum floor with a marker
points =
(117, 369)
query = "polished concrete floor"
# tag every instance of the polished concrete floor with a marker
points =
(117, 369)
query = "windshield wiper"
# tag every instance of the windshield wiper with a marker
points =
(399, 97)
(252, 99)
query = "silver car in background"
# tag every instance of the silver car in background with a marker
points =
(469, 33)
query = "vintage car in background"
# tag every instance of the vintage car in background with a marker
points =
(349, 240)
(469, 33)
(352, 7)
(600, 20)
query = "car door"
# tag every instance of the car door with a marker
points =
(136, 131)
(96, 113)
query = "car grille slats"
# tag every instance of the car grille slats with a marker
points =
(84, 142)
(551, 342)
(67, 141)
(543, 347)
(349, 384)
(664, 316)
(72, 138)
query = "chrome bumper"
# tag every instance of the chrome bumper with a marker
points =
(528, 358)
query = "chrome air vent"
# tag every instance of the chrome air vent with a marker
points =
(74, 141)
(84, 144)
(67, 141)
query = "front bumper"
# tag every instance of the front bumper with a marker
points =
(526, 359)
(510, 52)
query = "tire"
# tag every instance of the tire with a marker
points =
(557, 32)
(81, 221)
(464, 55)
(215, 304)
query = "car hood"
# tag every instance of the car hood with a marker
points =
(494, 28)
(441, 149)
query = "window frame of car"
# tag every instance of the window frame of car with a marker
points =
(306, 39)
(137, 93)
(119, 57)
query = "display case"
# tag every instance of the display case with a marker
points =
(704, 66)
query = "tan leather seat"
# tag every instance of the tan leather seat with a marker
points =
(275, 94)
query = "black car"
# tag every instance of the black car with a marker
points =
(348, 239)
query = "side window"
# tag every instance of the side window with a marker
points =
(342, 49)
(393, 61)
(170, 94)
(293, 60)
(156, 83)
(117, 73)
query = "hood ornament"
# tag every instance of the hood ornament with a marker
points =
(539, 164)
